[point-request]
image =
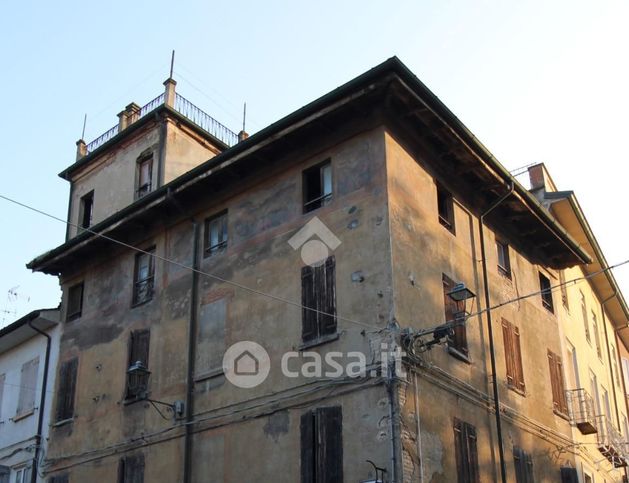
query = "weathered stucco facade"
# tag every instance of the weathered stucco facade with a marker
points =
(390, 144)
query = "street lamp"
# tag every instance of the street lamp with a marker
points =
(137, 387)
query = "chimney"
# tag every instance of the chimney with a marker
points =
(81, 149)
(127, 117)
(169, 93)
(242, 135)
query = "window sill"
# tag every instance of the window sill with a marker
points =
(561, 415)
(457, 354)
(209, 375)
(19, 417)
(141, 302)
(63, 422)
(516, 390)
(214, 252)
(317, 342)
(505, 273)
(72, 318)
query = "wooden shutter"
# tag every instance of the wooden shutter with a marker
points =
(307, 448)
(59, 479)
(67, 389)
(466, 453)
(28, 387)
(329, 428)
(326, 287)
(523, 466)
(569, 475)
(513, 355)
(560, 402)
(308, 299)
(519, 370)
(131, 469)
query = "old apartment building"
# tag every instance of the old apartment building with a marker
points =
(181, 242)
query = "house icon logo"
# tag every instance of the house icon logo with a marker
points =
(314, 251)
(246, 364)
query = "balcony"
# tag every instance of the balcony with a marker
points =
(180, 104)
(581, 408)
(610, 443)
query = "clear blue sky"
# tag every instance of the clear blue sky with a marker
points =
(535, 81)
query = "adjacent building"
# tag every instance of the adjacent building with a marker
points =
(341, 233)
(28, 363)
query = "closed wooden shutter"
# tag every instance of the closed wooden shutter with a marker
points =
(309, 301)
(523, 466)
(326, 286)
(67, 389)
(28, 387)
(466, 452)
(560, 403)
(131, 469)
(308, 446)
(569, 475)
(513, 355)
(64, 478)
(519, 370)
(322, 446)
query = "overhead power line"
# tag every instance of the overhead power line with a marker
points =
(292, 302)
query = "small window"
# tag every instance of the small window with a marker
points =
(144, 277)
(322, 445)
(445, 205)
(138, 352)
(504, 263)
(523, 466)
(513, 356)
(547, 295)
(584, 314)
(86, 211)
(216, 233)
(67, 389)
(145, 176)
(317, 186)
(318, 296)
(23, 475)
(131, 469)
(458, 341)
(75, 302)
(560, 403)
(28, 387)
(466, 452)
(597, 337)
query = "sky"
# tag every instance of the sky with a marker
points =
(535, 81)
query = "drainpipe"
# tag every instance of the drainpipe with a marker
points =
(393, 414)
(42, 402)
(490, 333)
(192, 332)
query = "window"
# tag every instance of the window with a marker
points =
(458, 341)
(145, 176)
(584, 313)
(75, 302)
(547, 295)
(595, 393)
(322, 446)
(569, 475)
(445, 206)
(504, 264)
(318, 292)
(131, 469)
(466, 454)
(28, 387)
(513, 356)
(560, 403)
(587, 478)
(86, 210)
(138, 352)
(23, 475)
(317, 186)
(144, 277)
(564, 290)
(523, 466)
(597, 337)
(67, 389)
(216, 233)
(63, 478)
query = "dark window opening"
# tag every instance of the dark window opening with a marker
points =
(138, 352)
(131, 469)
(144, 277)
(458, 341)
(466, 453)
(318, 296)
(317, 186)
(523, 466)
(322, 446)
(569, 475)
(513, 356)
(145, 176)
(75, 302)
(216, 233)
(87, 209)
(63, 478)
(547, 295)
(504, 263)
(560, 402)
(67, 389)
(445, 205)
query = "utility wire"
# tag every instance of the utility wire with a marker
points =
(292, 302)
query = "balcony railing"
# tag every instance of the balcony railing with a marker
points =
(581, 408)
(183, 107)
(610, 442)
